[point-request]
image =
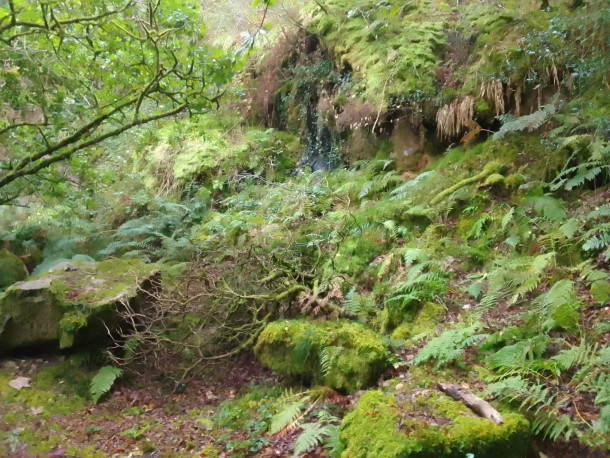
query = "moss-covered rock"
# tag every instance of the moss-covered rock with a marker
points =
(70, 303)
(428, 424)
(343, 355)
(12, 269)
(426, 320)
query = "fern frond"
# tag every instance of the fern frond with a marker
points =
(287, 416)
(102, 382)
(311, 436)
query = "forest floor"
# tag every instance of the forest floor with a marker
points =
(146, 416)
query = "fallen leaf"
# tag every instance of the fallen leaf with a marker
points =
(19, 383)
(37, 410)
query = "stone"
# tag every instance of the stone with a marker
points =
(345, 356)
(428, 424)
(12, 269)
(72, 305)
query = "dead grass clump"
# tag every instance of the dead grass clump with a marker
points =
(493, 90)
(454, 118)
(269, 77)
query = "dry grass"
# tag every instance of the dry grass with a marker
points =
(454, 118)
(493, 90)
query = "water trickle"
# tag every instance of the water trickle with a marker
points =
(321, 146)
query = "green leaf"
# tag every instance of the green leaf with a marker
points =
(103, 381)
(600, 291)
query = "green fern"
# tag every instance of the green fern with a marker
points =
(450, 345)
(328, 355)
(515, 276)
(358, 304)
(528, 122)
(287, 416)
(595, 166)
(548, 207)
(103, 381)
(311, 436)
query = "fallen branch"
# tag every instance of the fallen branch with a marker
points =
(489, 169)
(479, 406)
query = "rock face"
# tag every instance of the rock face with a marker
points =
(12, 269)
(71, 303)
(343, 355)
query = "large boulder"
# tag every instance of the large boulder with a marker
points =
(343, 355)
(428, 424)
(73, 303)
(12, 269)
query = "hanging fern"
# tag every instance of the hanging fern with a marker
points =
(103, 381)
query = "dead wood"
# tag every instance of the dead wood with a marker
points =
(474, 403)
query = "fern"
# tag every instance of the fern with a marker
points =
(358, 304)
(548, 207)
(328, 355)
(286, 417)
(595, 166)
(516, 276)
(529, 122)
(334, 445)
(103, 381)
(450, 345)
(311, 436)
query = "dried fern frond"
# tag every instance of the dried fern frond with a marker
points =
(455, 117)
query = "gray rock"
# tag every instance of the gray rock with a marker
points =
(72, 306)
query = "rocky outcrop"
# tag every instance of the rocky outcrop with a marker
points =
(73, 303)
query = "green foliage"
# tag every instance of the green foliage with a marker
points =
(102, 382)
(454, 433)
(450, 345)
(354, 356)
(162, 232)
(515, 277)
(148, 63)
(595, 167)
(527, 123)
(393, 53)
(424, 281)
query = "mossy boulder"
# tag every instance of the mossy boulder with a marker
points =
(428, 424)
(12, 269)
(71, 303)
(426, 320)
(343, 355)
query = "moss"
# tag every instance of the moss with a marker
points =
(356, 253)
(428, 425)
(392, 54)
(12, 269)
(356, 355)
(62, 306)
(426, 320)
(494, 179)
